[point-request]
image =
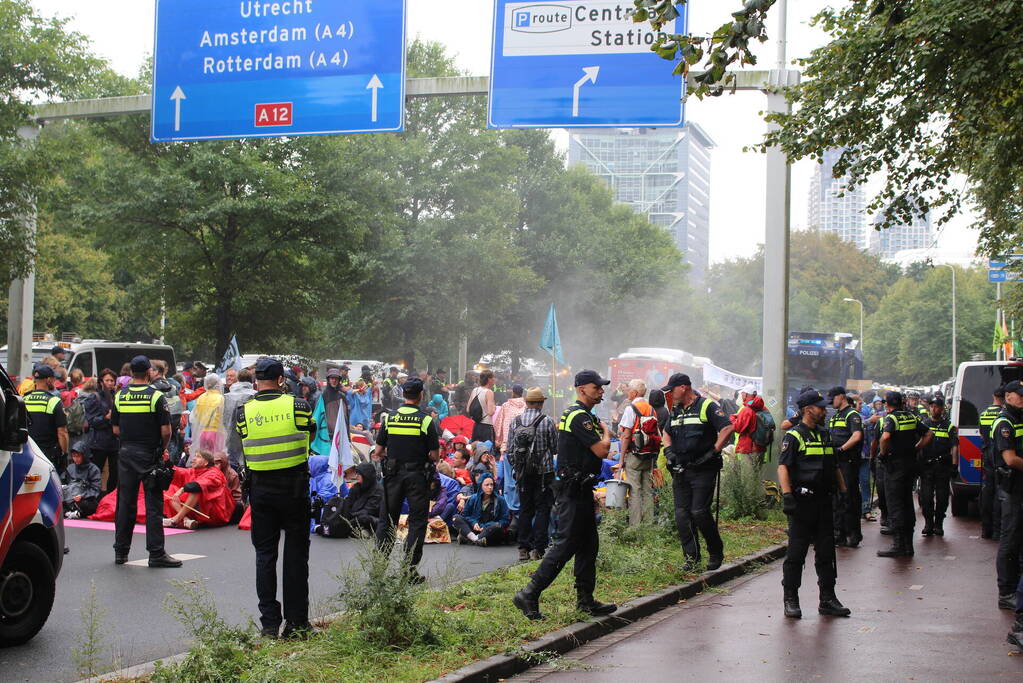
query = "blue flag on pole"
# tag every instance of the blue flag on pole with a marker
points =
(550, 340)
(231, 356)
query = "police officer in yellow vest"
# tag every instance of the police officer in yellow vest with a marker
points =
(410, 439)
(1007, 442)
(846, 429)
(275, 428)
(990, 510)
(902, 437)
(939, 462)
(47, 422)
(141, 422)
(807, 476)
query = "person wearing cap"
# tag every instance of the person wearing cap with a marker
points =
(808, 475)
(276, 427)
(915, 405)
(902, 437)
(990, 517)
(583, 443)
(696, 433)
(409, 445)
(47, 423)
(639, 466)
(846, 429)
(141, 421)
(874, 424)
(534, 472)
(1007, 438)
(940, 460)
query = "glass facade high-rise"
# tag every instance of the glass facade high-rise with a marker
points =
(663, 173)
(834, 207)
(886, 243)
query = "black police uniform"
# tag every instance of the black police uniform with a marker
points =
(1007, 435)
(936, 470)
(45, 417)
(695, 466)
(139, 412)
(278, 500)
(900, 470)
(878, 470)
(810, 459)
(843, 424)
(990, 519)
(578, 470)
(408, 434)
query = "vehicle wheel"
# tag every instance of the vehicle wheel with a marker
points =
(960, 506)
(27, 587)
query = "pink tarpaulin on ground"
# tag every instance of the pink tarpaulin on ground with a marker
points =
(109, 526)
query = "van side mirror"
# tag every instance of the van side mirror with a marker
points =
(14, 425)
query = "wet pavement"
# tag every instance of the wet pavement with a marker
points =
(927, 618)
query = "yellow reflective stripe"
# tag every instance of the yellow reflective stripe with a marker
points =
(393, 430)
(566, 420)
(691, 420)
(703, 410)
(1017, 428)
(426, 423)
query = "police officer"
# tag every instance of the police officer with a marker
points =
(990, 519)
(410, 439)
(902, 437)
(846, 428)
(583, 443)
(47, 423)
(275, 428)
(807, 475)
(140, 419)
(940, 460)
(696, 433)
(1007, 442)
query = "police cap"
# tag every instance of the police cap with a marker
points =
(413, 386)
(57, 350)
(269, 368)
(584, 377)
(1014, 387)
(679, 379)
(936, 400)
(999, 392)
(811, 398)
(836, 391)
(140, 364)
(894, 398)
(42, 371)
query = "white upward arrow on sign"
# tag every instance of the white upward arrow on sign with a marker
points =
(590, 77)
(178, 95)
(375, 85)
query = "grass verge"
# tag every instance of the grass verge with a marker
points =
(474, 619)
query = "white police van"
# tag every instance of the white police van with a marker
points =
(31, 524)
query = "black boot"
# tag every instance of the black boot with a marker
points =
(792, 610)
(1007, 601)
(907, 544)
(895, 550)
(928, 528)
(528, 601)
(1015, 636)
(830, 606)
(886, 530)
(939, 526)
(595, 608)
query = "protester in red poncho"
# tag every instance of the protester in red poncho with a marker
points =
(204, 499)
(745, 423)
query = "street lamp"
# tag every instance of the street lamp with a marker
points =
(952, 268)
(861, 318)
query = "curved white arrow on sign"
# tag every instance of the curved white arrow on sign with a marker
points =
(590, 77)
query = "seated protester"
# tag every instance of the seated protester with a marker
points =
(203, 499)
(82, 484)
(321, 486)
(485, 518)
(459, 460)
(234, 483)
(453, 488)
(358, 513)
(483, 461)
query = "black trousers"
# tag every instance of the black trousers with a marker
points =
(132, 466)
(577, 537)
(408, 485)
(495, 535)
(810, 525)
(694, 493)
(899, 475)
(277, 507)
(847, 517)
(990, 508)
(1010, 543)
(935, 487)
(882, 499)
(535, 501)
(100, 457)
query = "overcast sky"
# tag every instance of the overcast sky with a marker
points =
(122, 32)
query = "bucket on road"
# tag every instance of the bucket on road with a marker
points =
(615, 493)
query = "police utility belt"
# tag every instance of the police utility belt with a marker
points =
(391, 467)
(576, 479)
(680, 462)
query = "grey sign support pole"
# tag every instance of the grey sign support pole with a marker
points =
(21, 304)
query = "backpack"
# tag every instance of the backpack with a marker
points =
(475, 409)
(763, 435)
(173, 399)
(520, 456)
(76, 423)
(646, 435)
(331, 518)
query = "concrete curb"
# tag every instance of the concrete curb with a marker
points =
(569, 638)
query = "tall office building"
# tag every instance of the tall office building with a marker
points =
(834, 207)
(919, 234)
(663, 173)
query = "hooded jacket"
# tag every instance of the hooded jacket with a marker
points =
(510, 410)
(101, 434)
(320, 482)
(494, 513)
(362, 506)
(83, 480)
(440, 405)
(745, 423)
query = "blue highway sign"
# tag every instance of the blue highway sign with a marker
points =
(578, 64)
(247, 68)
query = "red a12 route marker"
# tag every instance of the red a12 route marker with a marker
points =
(274, 114)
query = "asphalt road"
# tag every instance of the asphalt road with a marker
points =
(137, 629)
(929, 618)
